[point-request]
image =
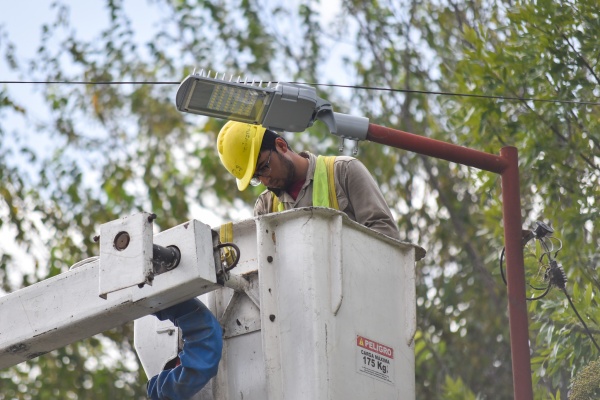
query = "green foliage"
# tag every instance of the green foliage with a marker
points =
(104, 151)
(456, 390)
(586, 384)
(541, 52)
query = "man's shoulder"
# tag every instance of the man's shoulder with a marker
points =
(263, 203)
(266, 194)
(347, 167)
(346, 162)
(345, 159)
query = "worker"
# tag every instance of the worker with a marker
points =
(255, 155)
(199, 358)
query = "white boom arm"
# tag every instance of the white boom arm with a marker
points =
(107, 291)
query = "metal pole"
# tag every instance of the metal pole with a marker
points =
(515, 274)
(507, 165)
(436, 148)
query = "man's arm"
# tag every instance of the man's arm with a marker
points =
(368, 205)
(202, 346)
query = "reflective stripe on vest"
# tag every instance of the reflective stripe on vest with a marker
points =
(323, 186)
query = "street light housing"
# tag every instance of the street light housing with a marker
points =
(284, 107)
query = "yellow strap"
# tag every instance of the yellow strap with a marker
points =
(226, 236)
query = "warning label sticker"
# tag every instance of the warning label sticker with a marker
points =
(374, 359)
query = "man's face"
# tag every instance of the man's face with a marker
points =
(274, 170)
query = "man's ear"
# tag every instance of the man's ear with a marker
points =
(281, 145)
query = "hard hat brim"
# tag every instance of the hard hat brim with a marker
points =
(243, 183)
(252, 160)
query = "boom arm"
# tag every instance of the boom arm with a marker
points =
(77, 304)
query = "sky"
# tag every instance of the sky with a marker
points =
(23, 21)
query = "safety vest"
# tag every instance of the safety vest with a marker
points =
(323, 186)
(323, 196)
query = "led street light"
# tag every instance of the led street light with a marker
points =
(284, 107)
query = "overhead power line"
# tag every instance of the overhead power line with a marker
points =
(374, 88)
(94, 82)
(480, 96)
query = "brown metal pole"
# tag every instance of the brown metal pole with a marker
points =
(515, 275)
(507, 165)
(436, 148)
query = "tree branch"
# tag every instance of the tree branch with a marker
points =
(583, 59)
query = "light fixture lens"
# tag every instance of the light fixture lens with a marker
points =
(220, 99)
(287, 107)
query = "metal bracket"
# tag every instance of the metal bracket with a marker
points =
(125, 253)
(128, 257)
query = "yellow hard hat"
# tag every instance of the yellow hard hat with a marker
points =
(238, 145)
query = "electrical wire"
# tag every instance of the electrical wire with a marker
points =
(555, 275)
(373, 88)
(479, 96)
(547, 289)
(93, 82)
(564, 290)
(581, 319)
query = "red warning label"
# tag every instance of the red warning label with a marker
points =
(378, 348)
(375, 360)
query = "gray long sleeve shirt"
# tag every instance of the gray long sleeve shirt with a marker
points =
(357, 192)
